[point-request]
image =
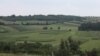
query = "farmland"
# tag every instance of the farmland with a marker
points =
(23, 36)
(35, 33)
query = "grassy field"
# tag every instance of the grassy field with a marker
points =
(90, 45)
(35, 33)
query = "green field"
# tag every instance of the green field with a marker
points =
(35, 33)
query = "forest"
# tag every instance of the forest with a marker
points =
(43, 18)
(90, 26)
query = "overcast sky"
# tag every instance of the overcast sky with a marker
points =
(65, 7)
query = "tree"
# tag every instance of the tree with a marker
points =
(51, 28)
(59, 28)
(70, 30)
(74, 45)
(70, 40)
(63, 50)
(1, 23)
(47, 49)
(94, 52)
(13, 16)
(45, 28)
(89, 26)
(1, 17)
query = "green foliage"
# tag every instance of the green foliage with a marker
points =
(89, 45)
(89, 26)
(59, 28)
(94, 52)
(68, 48)
(25, 47)
(51, 28)
(1, 23)
(35, 33)
(45, 28)
(57, 18)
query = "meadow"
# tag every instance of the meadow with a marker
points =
(35, 33)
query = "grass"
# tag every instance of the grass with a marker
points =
(8, 29)
(35, 33)
(90, 45)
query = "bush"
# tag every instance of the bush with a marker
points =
(45, 28)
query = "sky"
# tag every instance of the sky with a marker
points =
(45, 7)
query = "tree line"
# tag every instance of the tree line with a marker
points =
(51, 28)
(1, 23)
(68, 47)
(25, 47)
(89, 26)
(58, 18)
